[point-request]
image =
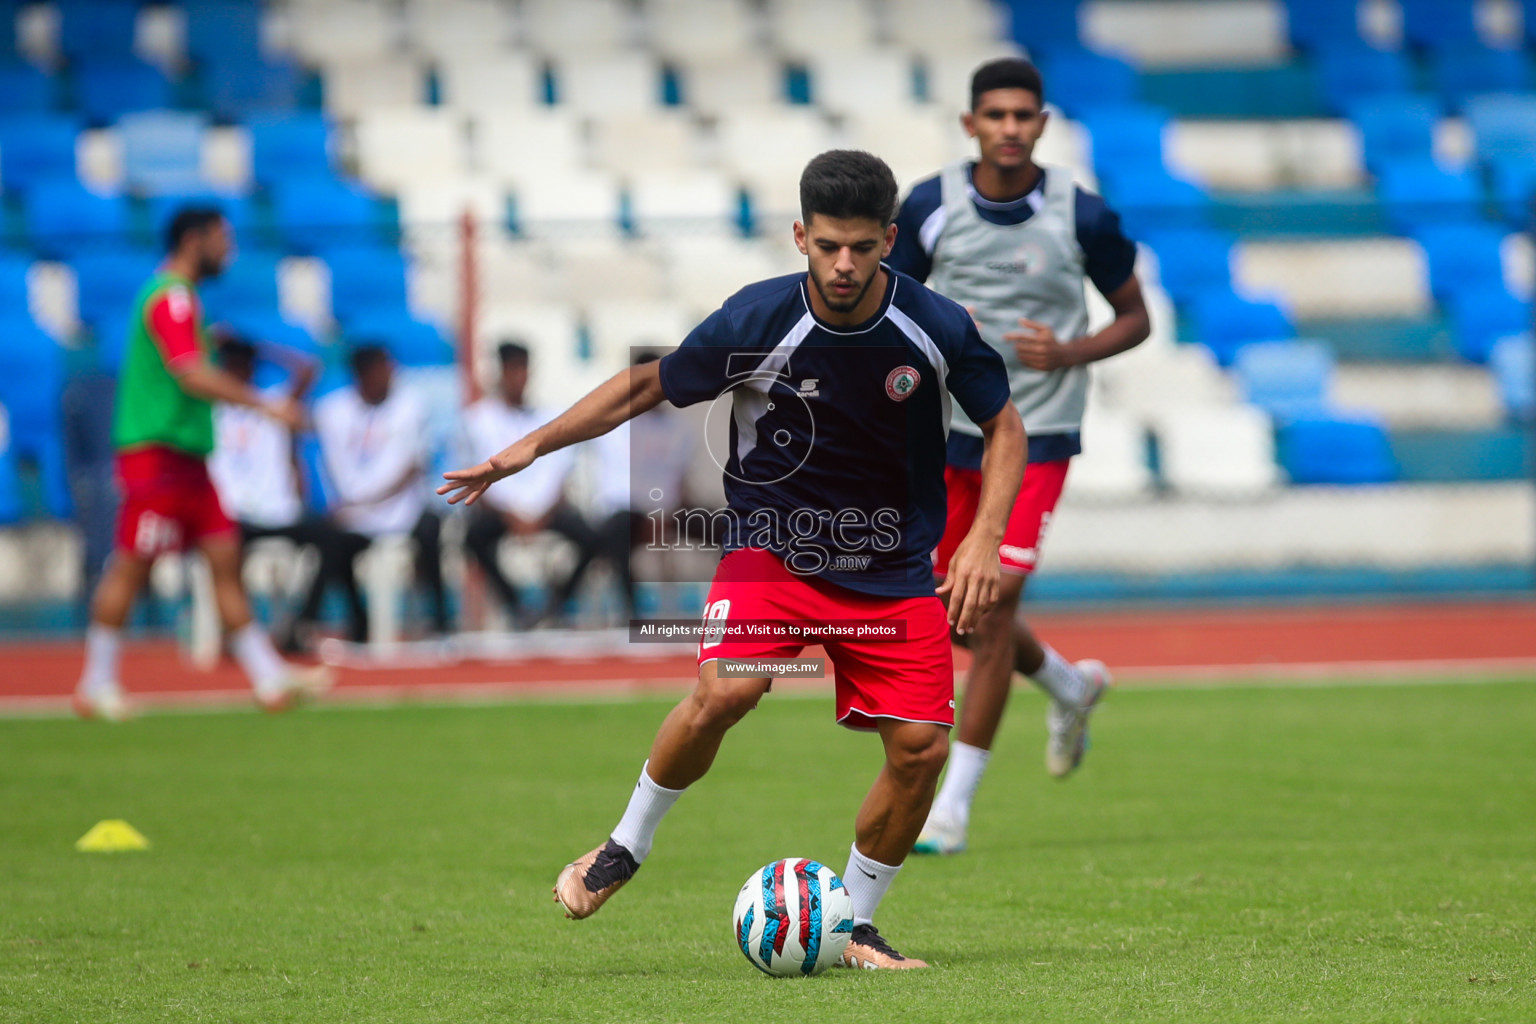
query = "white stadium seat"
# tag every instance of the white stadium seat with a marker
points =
(584, 203)
(1322, 279)
(443, 204)
(949, 73)
(717, 85)
(770, 144)
(343, 30)
(449, 31)
(916, 142)
(1218, 453)
(554, 27)
(514, 146)
(679, 29)
(1184, 33)
(662, 140)
(953, 26)
(401, 147)
(629, 269)
(804, 28)
(612, 84)
(861, 80)
(691, 202)
(705, 272)
(617, 329)
(492, 82)
(1113, 464)
(354, 86)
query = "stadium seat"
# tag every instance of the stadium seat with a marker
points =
(107, 89)
(1419, 193)
(397, 148)
(356, 85)
(958, 26)
(1287, 379)
(1513, 362)
(450, 31)
(1337, 450)
(248, 286)
(31, 385)
(947, 75)
(289, 146)
(106, 283)
(1157, 201)
(665, 142)
(238, 210)
(1217, 452)
(585, 202)
(1322, 24)
(684, 29)
(491, 83)
(695, 202)
(412, 342)
(10, 486)
(1465, 70)
(236, 87)
(36, 147)
(1349, 74)
(24, 88)
(805, 29)
(761, 146)
(1224, 323)
(1082, 81)
(513, 147)
(1045, 27)
(1504, 126)
(221, 30)
(1461, 256)
(611, 84)
(364, 280)
(1395, 129)
(65, 218)
(913, 141)
(703, 272)
(1113, 465)
(1514, 187)
(843, 83)
(323, 212)
(1433, 24)
(1193, 260)
(1127, 141)
(162, 151)
(1482, 315)
(271, 329)
(718, 85)
(561, 26)
(618, 329)
(345, 31)
(90, 30)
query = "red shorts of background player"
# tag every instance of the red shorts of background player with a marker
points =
(1032, 510)
(912, 680)
(168, 502)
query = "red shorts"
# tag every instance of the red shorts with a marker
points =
(1031, 515)
(168, 502)
(912, 680)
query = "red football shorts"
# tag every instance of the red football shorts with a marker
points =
(912, 679)
(1031, 515)
(168, 502)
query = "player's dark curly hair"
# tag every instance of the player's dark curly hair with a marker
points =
(190, 220)
(848, 184)
(1006, 73)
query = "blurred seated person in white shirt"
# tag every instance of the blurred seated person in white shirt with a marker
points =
(536, 502)
(254, 467)
(373, 441)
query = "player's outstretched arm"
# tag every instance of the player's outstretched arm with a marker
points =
(201, 379)
(621, 397)
(972, 581)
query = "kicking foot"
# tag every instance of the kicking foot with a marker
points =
(869, 951)
(104, 702)
(299, 684)
(583, 887)
(940, 836)
(1068, 725)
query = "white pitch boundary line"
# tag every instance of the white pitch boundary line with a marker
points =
(1311, 675)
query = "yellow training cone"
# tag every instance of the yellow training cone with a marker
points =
(111, 836)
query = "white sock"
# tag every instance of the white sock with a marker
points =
(257, 657)
(103, 651)
(866, 881)
(1060, 678)
(648, 804)
(967, 764)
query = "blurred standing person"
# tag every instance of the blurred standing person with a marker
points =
(163, 433)
(373, 442)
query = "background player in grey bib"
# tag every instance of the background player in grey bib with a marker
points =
(1016, 243)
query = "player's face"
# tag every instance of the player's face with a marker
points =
(216, 248)
(374, 382)
(1006, 124)
(844, 257)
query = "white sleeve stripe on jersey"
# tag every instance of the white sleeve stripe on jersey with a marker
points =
(930, 351)
(928, 234)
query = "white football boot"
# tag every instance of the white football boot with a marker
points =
(1068, 725)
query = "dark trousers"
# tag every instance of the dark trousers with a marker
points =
(327, 541)
(610, 540)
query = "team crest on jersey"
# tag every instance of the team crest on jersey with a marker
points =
(901, 382)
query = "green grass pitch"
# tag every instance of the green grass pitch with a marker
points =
(1344, 854)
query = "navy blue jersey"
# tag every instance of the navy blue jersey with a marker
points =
(837, 434)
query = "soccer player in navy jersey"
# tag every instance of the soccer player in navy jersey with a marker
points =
(839, 385)
(1014, 242)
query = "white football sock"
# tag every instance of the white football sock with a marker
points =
(967, 764)
(103, 651)
(866, 881)
(258, 658)
(1060, 678)
(648, 804)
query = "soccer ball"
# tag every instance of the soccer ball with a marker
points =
(793, 917)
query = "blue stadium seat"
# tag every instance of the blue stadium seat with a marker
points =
(272, 329)
(93, 29)
(64, 219)
(1081, 81)
(1513, 362)
(1504, 126)
(105, 90)
(1348, 74)
(289, 146)
(320, 213)
(1336, 449)
(36, 147)
(31, 385)
(1465, 70)
(1417, 193)
(24, 88)
(1127, 141)
(364, 280)
(107, 282)
(240, 211)
(238, 86)
(10, 486)
(1514, 186)
(247, 287)
(1394, 129)
(1322, 24)
(1224, 323)
(1193, 260)
(219, 30)
(1481, 316)
(1157, 201)
(1436, 23)
(1287, 379)
(111, 339)
(412, 342)
(1045, 26)
(1461, 256)
(14, 268)
(163, 151)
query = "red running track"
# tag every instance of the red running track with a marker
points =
(1184, 644)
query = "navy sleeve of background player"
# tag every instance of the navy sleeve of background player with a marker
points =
(1109, 257)
(698, 370)
(977, 377)
(908, 254)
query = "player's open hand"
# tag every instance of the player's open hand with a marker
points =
(467, 485)
(972, 583)
(1037, 347)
